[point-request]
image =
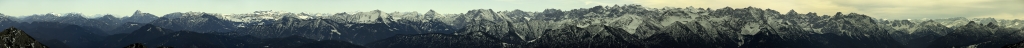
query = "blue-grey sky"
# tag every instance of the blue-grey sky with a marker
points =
(886, 9)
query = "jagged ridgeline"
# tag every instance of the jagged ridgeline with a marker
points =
(618, 26)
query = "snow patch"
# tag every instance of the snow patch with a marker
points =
(751, 29)
(335, 31)
(303, 17)
(527, 18)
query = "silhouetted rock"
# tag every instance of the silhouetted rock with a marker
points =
(14, 38)
(136, 45)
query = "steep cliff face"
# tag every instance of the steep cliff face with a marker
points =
(14, 38)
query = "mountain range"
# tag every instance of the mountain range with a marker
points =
(617, 26)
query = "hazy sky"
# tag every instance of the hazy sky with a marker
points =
(160, 7)
(890, 9)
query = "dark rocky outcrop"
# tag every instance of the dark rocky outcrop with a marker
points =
(14, 38)
(136, 45)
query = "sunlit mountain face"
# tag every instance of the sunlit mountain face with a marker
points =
(615, 26)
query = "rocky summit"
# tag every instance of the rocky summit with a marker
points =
(14, 38)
